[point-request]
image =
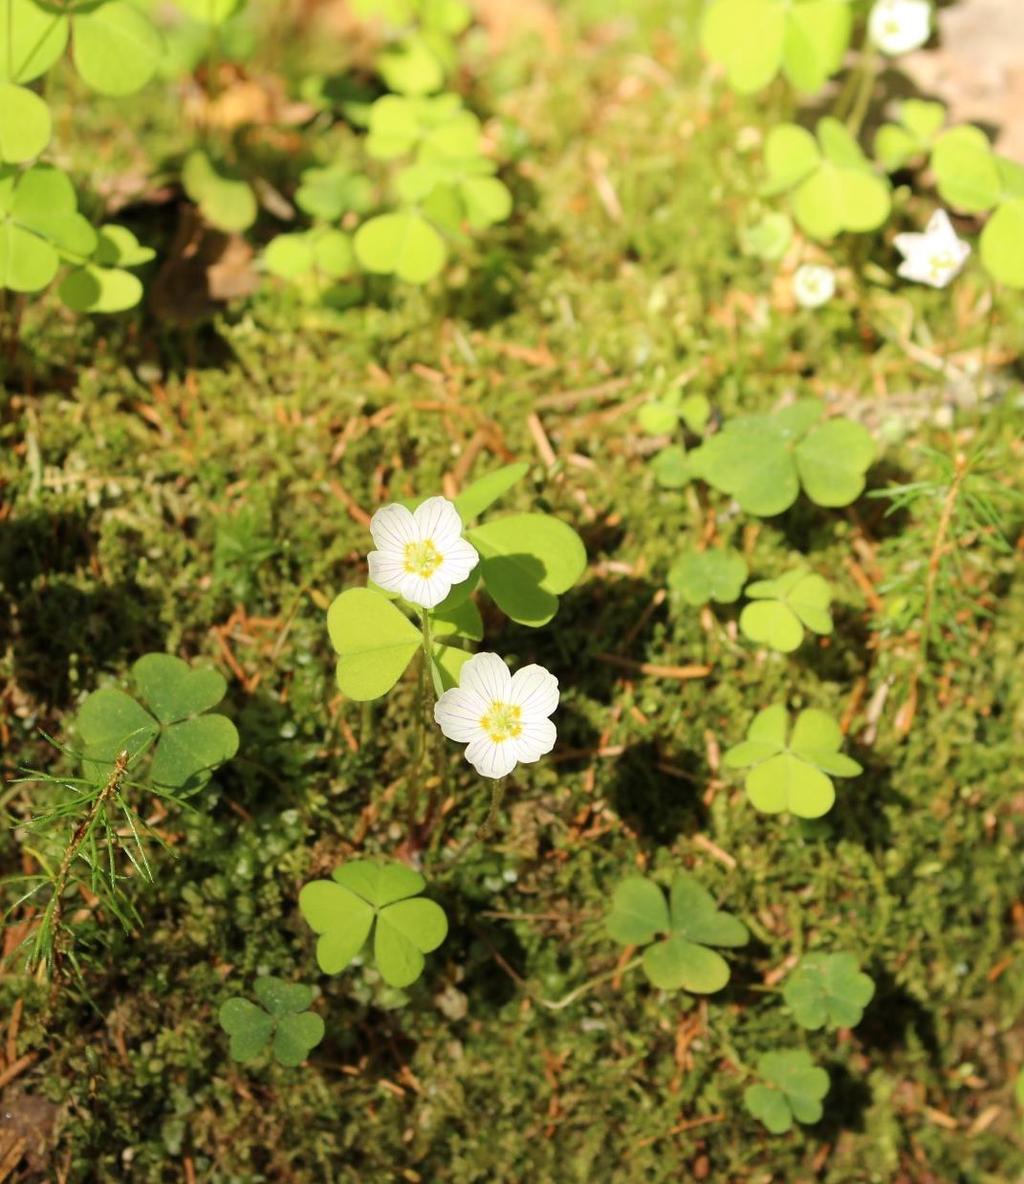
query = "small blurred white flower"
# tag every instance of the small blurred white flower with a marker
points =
(813, 285)
(899, 26)
(935, 257)
(420, 554)
(502, 718)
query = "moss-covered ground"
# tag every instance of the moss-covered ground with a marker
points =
(206, 492)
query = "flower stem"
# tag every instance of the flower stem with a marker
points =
(583, 988)
(867, 72)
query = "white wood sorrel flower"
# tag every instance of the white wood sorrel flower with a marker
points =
(935, 257)
(813, 285)
(420, 554)
(899, 26)
(502, 718)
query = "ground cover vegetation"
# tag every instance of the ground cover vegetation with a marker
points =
(509, 545)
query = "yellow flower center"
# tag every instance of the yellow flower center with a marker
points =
(422, 559)
(940, 263)
(502, 721)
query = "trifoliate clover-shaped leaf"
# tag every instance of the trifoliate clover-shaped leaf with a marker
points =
(225, 199)
(364, 897)
(439, 125)
(784, 607)
(762, 460)
(700, 576)
(415, 66)
(39, 223)
(662, 415)
(526, 562)
(918, 124)
(793, 774)
(329, 192)
(283, 1022)
(686, 926)
(752, 40)
(828, 990)
(311, 259)
(187, 741)
(793, 1088)
(966, 171)
(835, 187)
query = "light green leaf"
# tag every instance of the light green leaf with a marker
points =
(379, 883)
(676, 963)
(209, 12)
(100, 289)
(115, 47)
(794, 1088)
(402, 244)
(411, 67)
(249, 1027)
(289, 256)
(32, 39)
(745, 38)
(486, 199)
(341, 918)
(832, 461)
(116, 246)
(671, 467)
(638, 912)
(791, 153)
(25, 125)
(446, 667)
(769, 1107)
(375, 641)
(296, 1036)
(109, 722)
(328, 193)
(750, 460)
(769, 238)
(174, 691)
(965, 170)
(526, 562)
(696, 917)
(816, 38)
(483, 493)
(225, 199)
(773, 624)
(785, 782)
(828, 989)
(463, 620)
(281, 997)
(192, 747)
(1002, 244)
(715, 574)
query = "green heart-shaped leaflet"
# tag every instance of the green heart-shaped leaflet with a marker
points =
(225, 199)
(344, 912)
(483, 493)
(828, 989)
(403, 244)
(374, 639)
(691, 922)
(26, 125)
(794, 776)
(526, 562)
(794, 1089)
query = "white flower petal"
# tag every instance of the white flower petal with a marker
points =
(487, 676)
(491, 759)
(458, 714)
(438, 520)
(457, 560)
(940, 229)
(427, 592)
(813, 285)
(386, 570)
(535, 690)
(537, 739)
(392, 527)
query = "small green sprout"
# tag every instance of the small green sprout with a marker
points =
(752, 40)
(284, 1022)
(828, 990)
(763, 460)
(686, 926)
(662, 415)
(912, 136)
(834, 185)
(331, 191)
(784, 607)
(793, 1087)
(188, 741)
(313, 260)
(383, 898)
(793, 775)
(715, 574)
